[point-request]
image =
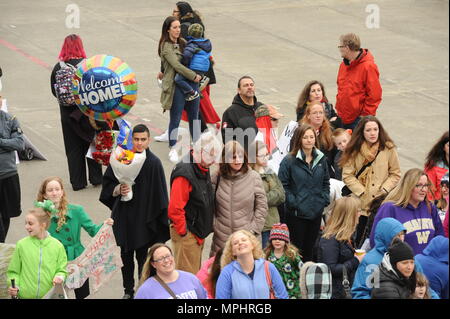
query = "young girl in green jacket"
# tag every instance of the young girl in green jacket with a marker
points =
(286, 259)
(39, 260)
(67, 222)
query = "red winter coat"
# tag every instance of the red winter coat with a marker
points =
(359, 89)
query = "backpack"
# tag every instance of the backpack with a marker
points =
(315, 281)
(64, 82)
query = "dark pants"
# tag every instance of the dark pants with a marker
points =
(83, 291)
(128, 267)
(304, 234)
(76, 148)
(359, 240)
(352, 125)
(184, 84)
(192, 109)
(9, 203)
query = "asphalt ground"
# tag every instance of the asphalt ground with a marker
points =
(282, 44)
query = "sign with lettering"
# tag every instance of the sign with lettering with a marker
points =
(6, 252)
(283, 146)
(99, 261)
(105, 87)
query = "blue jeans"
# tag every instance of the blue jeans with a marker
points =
(184, 84)
(265, 238)
(192, 108)
(353, 124)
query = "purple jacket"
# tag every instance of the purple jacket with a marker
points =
(421, 224)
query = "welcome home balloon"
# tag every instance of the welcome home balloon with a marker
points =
(105, 87)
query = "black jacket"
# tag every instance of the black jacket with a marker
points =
(391, 285)
(200, 207)
(240, 115)
(307, 188)
(337, 254)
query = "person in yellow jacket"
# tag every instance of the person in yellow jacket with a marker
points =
(39, 261)
(370, 166)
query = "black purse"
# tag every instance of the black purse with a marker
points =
(345, 190)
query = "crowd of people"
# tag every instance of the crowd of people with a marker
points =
(384, 234)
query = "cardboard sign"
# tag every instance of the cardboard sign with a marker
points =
(99, 261)
(283, 146)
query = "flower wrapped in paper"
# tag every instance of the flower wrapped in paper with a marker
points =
(125, 163)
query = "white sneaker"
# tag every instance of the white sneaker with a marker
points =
(173, 156)
(164, 137)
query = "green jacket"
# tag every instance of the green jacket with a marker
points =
(34, 265)
(170, 59)
(69, 234)
(275, 196)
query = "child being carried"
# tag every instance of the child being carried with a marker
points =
(196, 57)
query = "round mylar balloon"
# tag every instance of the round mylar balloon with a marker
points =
(105, 87)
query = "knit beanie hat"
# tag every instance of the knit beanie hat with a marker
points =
(279, 231)
(195, 30)
(400, 251)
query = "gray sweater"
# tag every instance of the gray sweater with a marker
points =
(11, 140)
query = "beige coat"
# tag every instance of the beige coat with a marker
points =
(241, 203)
(170, 58)
(382, 176)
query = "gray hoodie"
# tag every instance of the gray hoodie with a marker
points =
(11, 140)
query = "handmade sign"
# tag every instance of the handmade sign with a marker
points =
(99, 261)
(283, 146)
(6, 252)
(105, 87)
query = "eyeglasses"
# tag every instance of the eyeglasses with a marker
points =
(175, 11)
(341, 46)
(162, 259)
(317, 113)
(422, 186)
(273, 119)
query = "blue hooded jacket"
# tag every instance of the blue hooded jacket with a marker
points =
(434, 260)
(385, 231)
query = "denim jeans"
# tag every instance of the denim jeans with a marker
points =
(184, 84)
(265, 238)
(192, 108)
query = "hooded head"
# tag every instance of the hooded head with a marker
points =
(437, 249)
(386, 230)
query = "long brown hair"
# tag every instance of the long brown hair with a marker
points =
(325, 139)
(165, 35)
(304, 95)
(437, 153)
(298, 136)
(62, 209)
(215, 272)
(357, 139)
(148, 270)
(289, 250)
(232, 148)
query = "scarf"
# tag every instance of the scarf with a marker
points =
(369, 153)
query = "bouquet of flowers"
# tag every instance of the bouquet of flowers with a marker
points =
(125, 163)
(104, 141)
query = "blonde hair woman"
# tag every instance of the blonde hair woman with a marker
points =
(336, 248)
(67, 222)
(408, 203)
(245, 274)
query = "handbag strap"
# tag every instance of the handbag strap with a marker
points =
(269, 279)
(164, 285)
(367, 165)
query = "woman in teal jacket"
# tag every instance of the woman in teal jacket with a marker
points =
(39, 261)
(306, 181)
(66, 224)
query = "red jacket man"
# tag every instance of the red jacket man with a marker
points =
(359, 89)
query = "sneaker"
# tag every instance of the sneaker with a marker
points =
(127, 296)
(173, 156)
(203, 83)
(163, 137)
(192, 96)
